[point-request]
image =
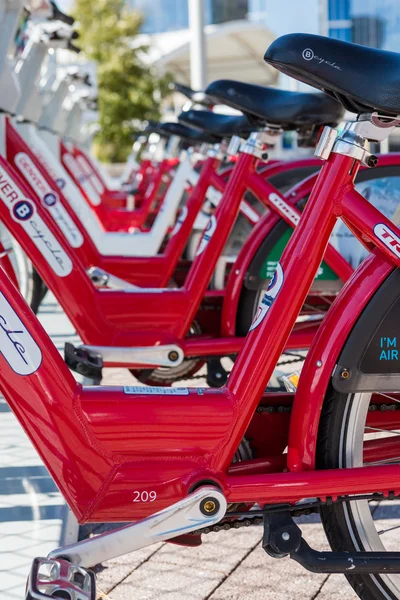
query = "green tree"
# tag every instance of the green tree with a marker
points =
(128, 90)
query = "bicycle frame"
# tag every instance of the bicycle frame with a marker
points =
(114, 219)
(100, 245)
(124, 316)
(105, 446)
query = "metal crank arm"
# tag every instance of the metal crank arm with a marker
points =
(101, 278)
(169, 355)
(203, 508)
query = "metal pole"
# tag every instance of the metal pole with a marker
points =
(198, 59)
(323, 10)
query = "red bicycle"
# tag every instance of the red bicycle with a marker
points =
(122, 454)
(127, 328)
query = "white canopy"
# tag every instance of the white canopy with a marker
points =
(235, 50)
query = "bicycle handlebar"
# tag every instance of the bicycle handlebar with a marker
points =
(58, 15)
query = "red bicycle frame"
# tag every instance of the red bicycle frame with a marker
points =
(103, 445)
(114, 219)
(143, 271)
(122, 319)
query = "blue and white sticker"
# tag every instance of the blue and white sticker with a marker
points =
(23, 211)
(16, 343)
(269, 297)
(60, 181)
(207, 235)
(50, 199)
(388, 237)
(155, 391)
(180, 221)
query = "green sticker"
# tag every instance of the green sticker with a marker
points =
(267, 270)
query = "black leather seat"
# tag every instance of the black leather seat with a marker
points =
(154, 127)
(216, 124)
(362, 78)
(289, 110)
(195, 97)
(193, 136)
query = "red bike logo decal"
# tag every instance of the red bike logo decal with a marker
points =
(269, 297)
(388, 237)
(17, 345)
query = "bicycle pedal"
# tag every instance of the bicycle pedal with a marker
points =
(58, 578)
(85, 362)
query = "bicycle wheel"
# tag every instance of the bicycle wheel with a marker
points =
(381, 186)
(360, 426)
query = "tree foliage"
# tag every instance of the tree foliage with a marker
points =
(128, 90)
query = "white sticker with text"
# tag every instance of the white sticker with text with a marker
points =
(82, 179)
(16, 343)
(24, 212)
(285, 208)
(155, 391)
(388, 237)
(249, 212)
(50, 199)
(269, 297)
(88, 169)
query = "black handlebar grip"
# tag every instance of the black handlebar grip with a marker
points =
(73, 48)
(58, 15)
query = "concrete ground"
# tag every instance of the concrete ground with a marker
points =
(33, 516)
(227, 566)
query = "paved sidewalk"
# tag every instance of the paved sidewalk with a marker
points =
(32, 511)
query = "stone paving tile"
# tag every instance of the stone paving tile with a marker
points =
(260, 577)
(113, 572)
(175, 572)
(336, 587)
(230, 566)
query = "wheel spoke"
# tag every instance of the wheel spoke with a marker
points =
(382, 531)
(395, 432)
(387, 396)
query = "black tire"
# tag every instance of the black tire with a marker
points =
(338, 519)
(38, 291)
(165, 376)
(249, 298)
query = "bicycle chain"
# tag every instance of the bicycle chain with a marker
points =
(296, 512)
(282, 361)
(237, 524)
